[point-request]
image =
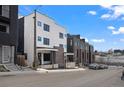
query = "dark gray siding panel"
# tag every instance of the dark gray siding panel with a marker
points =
(21, 36)
(11, 38)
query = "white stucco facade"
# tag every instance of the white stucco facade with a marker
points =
(52, 34)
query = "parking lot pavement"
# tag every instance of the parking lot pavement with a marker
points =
(89, 78)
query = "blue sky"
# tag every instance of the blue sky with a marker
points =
(102, 26)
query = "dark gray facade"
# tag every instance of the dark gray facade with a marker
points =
(21, 36)
(8, 29)
(83, 52)
(11, 37)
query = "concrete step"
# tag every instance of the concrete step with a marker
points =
(13, 67)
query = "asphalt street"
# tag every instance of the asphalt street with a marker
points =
(88, 78)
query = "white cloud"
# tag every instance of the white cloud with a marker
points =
(115, 32)
(98, 40)
(106, 6)
(114, 12)
(92, 12)
(111, 27)
(119, 31)
(105, 16)
(86, 39)
(122, 40)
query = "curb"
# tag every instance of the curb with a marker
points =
(40, 71)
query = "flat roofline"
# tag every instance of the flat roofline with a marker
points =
(45, 16)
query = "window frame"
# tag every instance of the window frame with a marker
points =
(46, 41)
(39, 38)
(7, 28)
(46, 27)
(61, 35)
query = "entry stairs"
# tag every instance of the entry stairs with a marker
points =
(13, 67)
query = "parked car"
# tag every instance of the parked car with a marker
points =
(102, 66)
(122, 77)
(94, 66)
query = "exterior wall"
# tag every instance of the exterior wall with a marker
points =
(59, 57)
(11, 38)
(91, 51)
(83, 54)
(85, 51)
(21, 36)
(29, 38)
(27, 33)
(75, 48)
(53, 34)
(10, 18)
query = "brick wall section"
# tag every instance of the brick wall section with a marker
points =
(59, 57)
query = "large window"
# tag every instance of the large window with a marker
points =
(3, 28)
(46, 27)
(46, 56)
(61, 35)
(46, 41)
(61, 45)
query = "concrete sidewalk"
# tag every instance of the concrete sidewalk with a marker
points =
(61, 70)
(40, 70)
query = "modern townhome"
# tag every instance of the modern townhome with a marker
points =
(51, 40)
(91, 54)
(83, 52)
(8, 33)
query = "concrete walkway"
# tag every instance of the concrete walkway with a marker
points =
(40, 70)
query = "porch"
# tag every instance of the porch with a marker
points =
(47, 58)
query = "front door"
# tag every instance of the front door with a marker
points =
(6, 54)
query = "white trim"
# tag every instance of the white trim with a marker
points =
(46, 49)
(69, 54)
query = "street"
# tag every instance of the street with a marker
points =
(89, 78)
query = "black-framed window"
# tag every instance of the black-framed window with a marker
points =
(61, 35)
(39, 38)
(0, 9)
(46, 56)
(46, 27)
(3, 28)
(61, 45)
(46, 41)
